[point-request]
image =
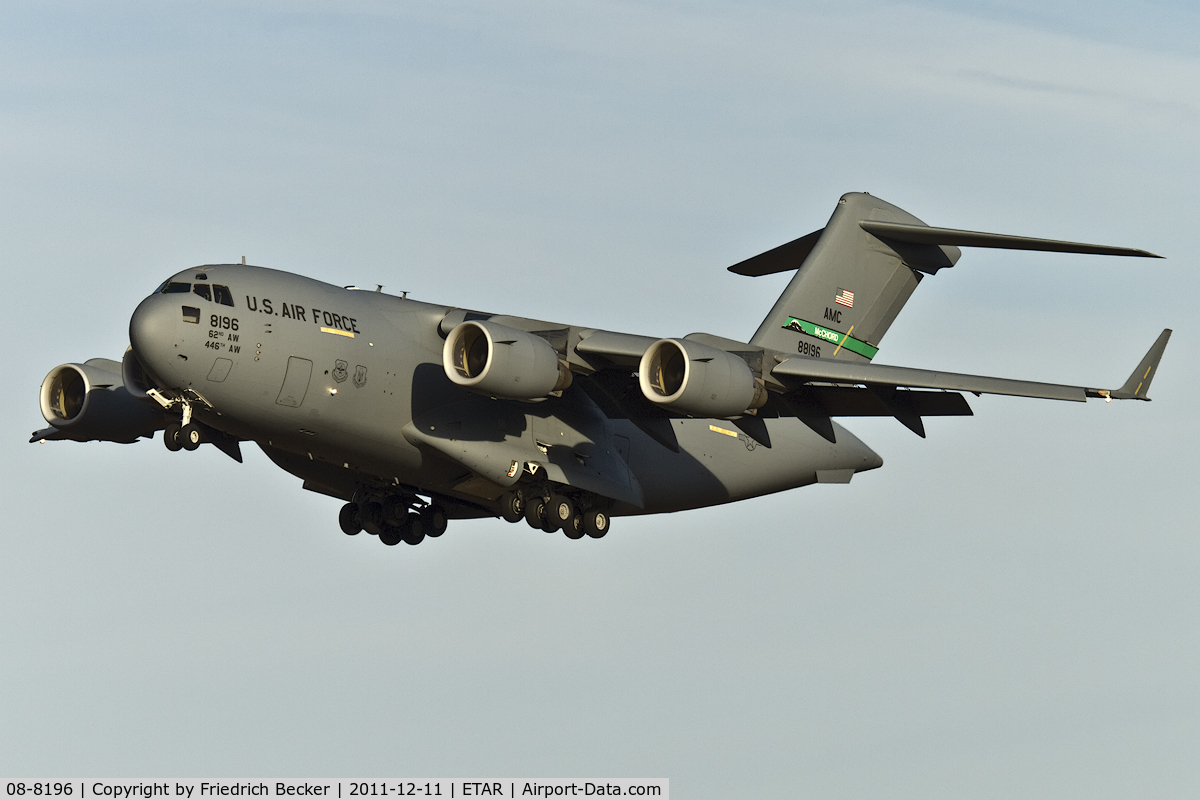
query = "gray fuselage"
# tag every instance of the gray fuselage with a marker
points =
(345, 387)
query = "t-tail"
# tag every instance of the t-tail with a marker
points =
(855, 275)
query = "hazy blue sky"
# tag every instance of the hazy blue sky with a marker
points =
(1008, 608)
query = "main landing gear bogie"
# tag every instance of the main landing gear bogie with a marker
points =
(434, 520)
(512, 507)
(389, 517)
(576, 518)
(349, 521)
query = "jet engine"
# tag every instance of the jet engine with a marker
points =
(503, 362)
(134, 376)
(89, 401)
(698, 380)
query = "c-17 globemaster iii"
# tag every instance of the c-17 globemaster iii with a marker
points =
(414, 413)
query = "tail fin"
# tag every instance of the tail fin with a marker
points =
(850, 285)
(856, 273)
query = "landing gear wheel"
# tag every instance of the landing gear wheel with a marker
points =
(190, 436)
(535, 512)
(391, 535)
(171, 437)
(561, 512)
(348, 519)
(395, 509)
(414, 531)
(434, 520)
(595, 523)
(512, 507)
(371, 516)
(574, 529)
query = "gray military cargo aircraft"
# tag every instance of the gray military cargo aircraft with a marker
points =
(414, 413)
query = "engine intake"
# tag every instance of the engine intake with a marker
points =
(698, 380)
(503, 362)
(88, 401)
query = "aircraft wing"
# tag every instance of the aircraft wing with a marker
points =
(814, 390)
(813, 370)
(619, 349)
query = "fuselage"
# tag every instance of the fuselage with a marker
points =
(345, 387)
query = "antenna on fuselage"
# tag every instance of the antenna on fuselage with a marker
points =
(243, 260)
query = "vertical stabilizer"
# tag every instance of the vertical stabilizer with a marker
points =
(850, 284)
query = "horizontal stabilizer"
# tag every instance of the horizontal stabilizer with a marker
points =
(780, 259)
(1139, 382)
(922, 234)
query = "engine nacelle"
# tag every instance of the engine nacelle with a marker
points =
(698, 380)
(134, 376)
(503, 362)
(89, 401)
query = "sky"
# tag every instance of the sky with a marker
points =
(1007, 608)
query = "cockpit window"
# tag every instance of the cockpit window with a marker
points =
(191, 314)
(222, 294)
(176, 288)
(202, 290)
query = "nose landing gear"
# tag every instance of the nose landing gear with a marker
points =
(171, 437)
(185, 434)
(191, 436)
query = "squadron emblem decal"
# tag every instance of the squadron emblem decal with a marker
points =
(339, 370)
(360, 376)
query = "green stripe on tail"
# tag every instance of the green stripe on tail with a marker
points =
(832, 336)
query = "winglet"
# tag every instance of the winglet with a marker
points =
(1139, 382)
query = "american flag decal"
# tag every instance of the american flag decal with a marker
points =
(844, 297)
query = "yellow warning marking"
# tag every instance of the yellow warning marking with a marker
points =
(1148, 371)
(715, 429)
(845, 339)
(339, 333)
(1135, 391)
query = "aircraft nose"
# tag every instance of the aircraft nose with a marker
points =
(152, 331)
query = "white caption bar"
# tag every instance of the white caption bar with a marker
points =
(340, 790)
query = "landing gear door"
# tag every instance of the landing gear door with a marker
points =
(295, 382)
